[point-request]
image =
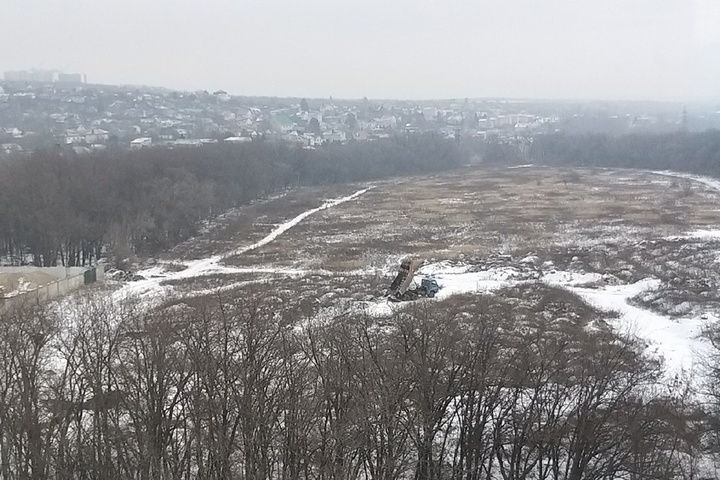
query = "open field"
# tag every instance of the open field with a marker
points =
(637, 248)
(474, 213)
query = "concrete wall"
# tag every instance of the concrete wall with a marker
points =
(69, 279)
(57, 272)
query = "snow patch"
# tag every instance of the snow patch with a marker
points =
(521, 166)
(699, 235)
(677, 341)
(713, 183)
(570, 279)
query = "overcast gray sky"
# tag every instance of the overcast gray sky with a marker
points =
(414, 49)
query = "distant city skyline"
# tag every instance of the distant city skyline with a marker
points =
(666, 50)
(52, 76)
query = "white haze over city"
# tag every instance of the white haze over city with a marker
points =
(404, 49)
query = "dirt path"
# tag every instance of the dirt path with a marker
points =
(152, 285)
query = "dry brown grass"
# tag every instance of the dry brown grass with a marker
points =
(337, 265)
(472, 212)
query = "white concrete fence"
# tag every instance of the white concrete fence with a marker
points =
(67, 280)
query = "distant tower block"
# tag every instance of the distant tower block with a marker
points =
(683, 122)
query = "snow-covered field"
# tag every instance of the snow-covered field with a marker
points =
(608, 239)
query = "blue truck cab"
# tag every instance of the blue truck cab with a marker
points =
(430, 286)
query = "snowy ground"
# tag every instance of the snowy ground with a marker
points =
(676, 341)
(601, 240)
(155, 276)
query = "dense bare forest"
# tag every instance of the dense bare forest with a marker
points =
(697, 153)
(243, 387)
(60, 208)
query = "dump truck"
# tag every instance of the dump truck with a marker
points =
(400, 287)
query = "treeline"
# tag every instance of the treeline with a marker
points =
(466, 389)
(60, 208)
(697, 153)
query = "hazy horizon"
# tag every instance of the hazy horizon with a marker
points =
(647, 50)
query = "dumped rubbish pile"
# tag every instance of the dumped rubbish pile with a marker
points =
(123, 276)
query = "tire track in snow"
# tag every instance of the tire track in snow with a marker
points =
(291, 223)
(210, 265)
(713, 183)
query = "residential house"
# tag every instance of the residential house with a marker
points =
(187, 142)
(14, 132)
(222, 95)
(73, 137)
(334, 136)
(386, 121)
(97, 135)
(142, 142)
(295, 137)
(10, 148)
(525, 118)
(456, 119)
(237, 140)
(484, 124)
